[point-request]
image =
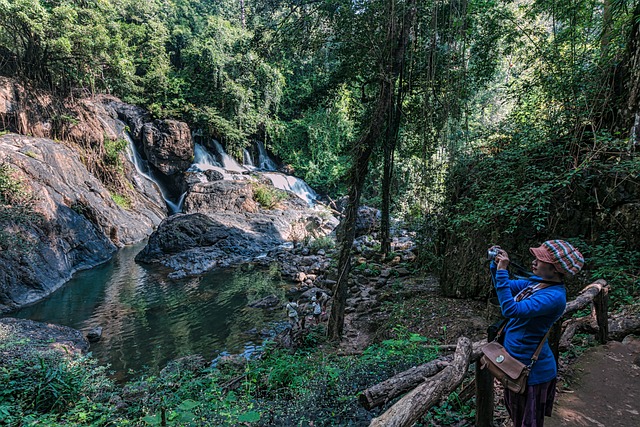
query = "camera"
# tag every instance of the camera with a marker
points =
(491, 253)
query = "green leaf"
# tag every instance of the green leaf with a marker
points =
(188, 405)
(249, 417)
(154, 420)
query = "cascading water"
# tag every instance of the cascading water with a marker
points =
(203, 160)
(142, 167)
(227, 161)
(247, 161)
(264, 161)
(295, 185)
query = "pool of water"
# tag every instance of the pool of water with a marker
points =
(148, 319)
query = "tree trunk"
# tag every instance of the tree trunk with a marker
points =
(243, 16)
(362, 152)
(358, 173)
(415, 404)
(393, 127)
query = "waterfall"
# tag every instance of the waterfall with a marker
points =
(203, 160)
(142, 167)
(227, 161)
(295, 185)
(264, 161)
(202, 156)
(246, 158)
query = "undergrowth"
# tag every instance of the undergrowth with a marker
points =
(312, 386)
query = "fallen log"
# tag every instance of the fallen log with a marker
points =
(573, 326)
(415, 404)
(384, 392)
(401, 383)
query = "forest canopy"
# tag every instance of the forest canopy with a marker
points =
(508, 121)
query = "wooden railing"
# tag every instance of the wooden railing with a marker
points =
(597, 294)
(426, 385)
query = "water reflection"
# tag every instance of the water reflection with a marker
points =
(148, 319)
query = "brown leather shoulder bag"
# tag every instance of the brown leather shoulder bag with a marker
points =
(511, 373)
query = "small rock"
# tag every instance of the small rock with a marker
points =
(94, 334)
(381, 282)
(321, 252)
(308, 281)
(403, 271)
(385, 273)
(311, 276)
(328, 283)
(269, 301)
(396, 260)
(300, 277)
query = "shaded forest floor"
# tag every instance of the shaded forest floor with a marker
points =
(601, 388)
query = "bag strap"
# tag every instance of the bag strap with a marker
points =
(536, 354)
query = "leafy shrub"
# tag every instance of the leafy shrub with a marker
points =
(112, 149)
(324, 243)
(268, 197)
(47, 381)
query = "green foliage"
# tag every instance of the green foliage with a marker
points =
(268, 197)
(612, 259)
(280, 388)
(121, 200)
(16, 209)
(45, 381)
(113, 149)
(324, 242)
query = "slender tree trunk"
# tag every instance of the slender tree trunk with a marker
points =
(243, 16)
(389, 70)
(394, 120)
(358, 174)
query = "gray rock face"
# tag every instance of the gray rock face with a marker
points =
(167, 145)
(223, 226)
(78, 224)
(134, 116)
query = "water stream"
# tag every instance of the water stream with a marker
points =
(148, 319)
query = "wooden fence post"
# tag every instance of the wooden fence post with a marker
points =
(601, 306)
(484, 389)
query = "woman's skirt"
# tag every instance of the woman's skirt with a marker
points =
(530, 408)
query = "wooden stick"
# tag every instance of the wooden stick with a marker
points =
(601, 306)
(415, 404)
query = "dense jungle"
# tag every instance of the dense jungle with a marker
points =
(173, 172)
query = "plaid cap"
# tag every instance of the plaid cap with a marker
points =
(561, 254)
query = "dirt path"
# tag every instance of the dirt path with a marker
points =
(603, 389)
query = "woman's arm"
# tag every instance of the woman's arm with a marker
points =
(539, 304)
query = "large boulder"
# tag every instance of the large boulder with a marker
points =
(74, 222)
(220, 196)
(167, 145)
(223, 226)
(42, 336)
(194, 243)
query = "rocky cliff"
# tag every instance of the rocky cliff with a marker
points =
(73, 221)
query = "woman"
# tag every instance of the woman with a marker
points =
(532, 306)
